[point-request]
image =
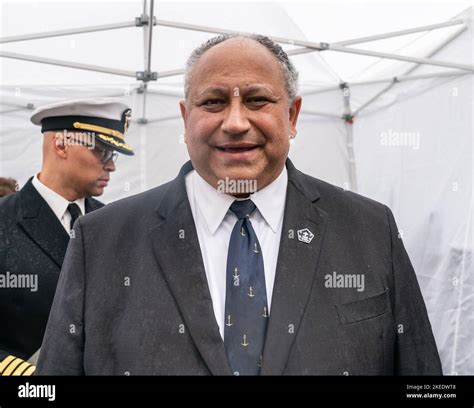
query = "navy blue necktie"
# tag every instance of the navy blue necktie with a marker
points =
(246, 310)
(75, 213)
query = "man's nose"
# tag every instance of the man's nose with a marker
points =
(109, 166)
(236, 120)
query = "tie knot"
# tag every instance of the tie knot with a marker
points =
(243, 209)
(74, 210)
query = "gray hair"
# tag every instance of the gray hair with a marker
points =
(288, 70)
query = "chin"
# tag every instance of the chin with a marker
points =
(238, 174)
(243, 170)
(96, 192)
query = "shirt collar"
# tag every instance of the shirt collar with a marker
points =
(213, 205)
(57, 202)
(270, 201)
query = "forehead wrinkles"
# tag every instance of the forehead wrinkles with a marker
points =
(227, 83)
(246, 62)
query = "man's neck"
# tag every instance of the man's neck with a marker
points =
(54, 183)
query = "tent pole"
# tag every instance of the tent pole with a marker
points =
(398, 78)
(14, 110)
(319, 90)
(144, 19)
(319, 113)
(171, 72)
(3, 101)
(148, 21)
(126, 24)
(425, 61)
(76, 65)
(147, 75)
(216, 30)
(348, 116)
(402, 78)
(167, 92)
(400, 33)
(405, 76)
(408, 71)
(59, 33)
(150, 34)
(361, 40)
(320, 46)
(143, 85)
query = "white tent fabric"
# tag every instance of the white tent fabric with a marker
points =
(426, 178)
(411, 148)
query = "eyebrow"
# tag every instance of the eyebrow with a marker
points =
(224, 91)
(218, 91)
(253, 89)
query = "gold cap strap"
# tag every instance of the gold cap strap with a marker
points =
(94, 128)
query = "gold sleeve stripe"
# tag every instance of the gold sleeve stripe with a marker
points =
(30, 370)
(22, 367)
(6, 361)
(12, 367)
(94, 128)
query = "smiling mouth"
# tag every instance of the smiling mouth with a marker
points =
(237, 149)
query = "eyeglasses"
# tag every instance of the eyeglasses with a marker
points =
(106, 154)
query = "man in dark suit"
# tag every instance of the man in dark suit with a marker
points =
(37, 220)
(242, 265)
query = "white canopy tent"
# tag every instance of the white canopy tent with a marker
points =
(397, 128)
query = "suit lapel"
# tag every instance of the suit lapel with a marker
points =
(177, 251)
(41, 225)
(91, 205)
(296, 267)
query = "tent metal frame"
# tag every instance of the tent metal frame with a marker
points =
(148, 19)
(407, 73)
(148, 15)
(395, 79)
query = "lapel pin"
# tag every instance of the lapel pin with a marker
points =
(305, 235)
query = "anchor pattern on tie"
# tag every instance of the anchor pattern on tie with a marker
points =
(246, 309)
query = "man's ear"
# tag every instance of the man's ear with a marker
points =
(294, 112)
(184, 113)
(59, 145)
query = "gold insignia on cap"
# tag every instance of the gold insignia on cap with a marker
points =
(113, 141)
(94, 128)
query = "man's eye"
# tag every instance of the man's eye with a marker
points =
(257, 99)
(213, 102)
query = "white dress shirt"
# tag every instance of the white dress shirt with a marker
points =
(58, 203)
(215, 222)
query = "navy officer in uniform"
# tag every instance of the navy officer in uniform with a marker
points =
(81, 141)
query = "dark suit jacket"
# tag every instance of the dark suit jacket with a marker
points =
(32, 241)
(133, 297)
